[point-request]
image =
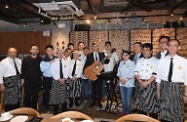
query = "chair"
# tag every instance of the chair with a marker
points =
(72, 114)
(136, 117)
(26, 111)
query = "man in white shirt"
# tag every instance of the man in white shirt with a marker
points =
(80, 49)
(171, 74)
(137, 48)
(111, 53)
(10, 81)
(145, 87)
(163, 40)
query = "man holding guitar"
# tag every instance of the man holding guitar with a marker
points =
(92, 66)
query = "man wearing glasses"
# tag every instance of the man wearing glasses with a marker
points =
(31, 75)
(163, 40)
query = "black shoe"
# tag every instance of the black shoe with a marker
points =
(77, 102)
(100, 105)
(92, 104)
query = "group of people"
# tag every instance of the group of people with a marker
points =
(155, 83)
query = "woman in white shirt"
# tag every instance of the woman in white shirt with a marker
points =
(126, 77)
(76, 68)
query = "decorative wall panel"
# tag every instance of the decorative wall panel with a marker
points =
(79, 36)
(119, 40)
(182, 37)
(140, 35)
(160, 32)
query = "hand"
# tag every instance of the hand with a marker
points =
(62, 81)
(73, 78)
(144, 84)
(158, 95)
(123, 82)
(22, 82)
(2, 87)
(185, 99)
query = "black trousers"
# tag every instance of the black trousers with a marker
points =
(153, 115)
(47, 83)
(31, 91)
(97, 90)
(63, 108)
(11, 107)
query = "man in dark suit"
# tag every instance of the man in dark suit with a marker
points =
(137, 48)
(163, 40)
(97, 84)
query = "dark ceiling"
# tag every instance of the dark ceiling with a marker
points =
(20, 11)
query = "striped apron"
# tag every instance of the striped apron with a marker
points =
(58, 93)
(145, 98)
(13, 90)
(171, 101)
(74, 88)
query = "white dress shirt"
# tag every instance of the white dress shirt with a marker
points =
(179, 69)
(7, 67)
(96, 54)
(55, 68)
(163, 54)
(126, 70)
(83, 63)
(113, 60)
(79, 68)
(146, 68)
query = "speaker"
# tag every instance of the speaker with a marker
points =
(82, 27)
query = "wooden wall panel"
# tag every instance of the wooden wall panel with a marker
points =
(182, 37)
(22, 41)
(119, 40)
(156, 35)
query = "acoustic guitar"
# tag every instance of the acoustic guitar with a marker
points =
(93, 70)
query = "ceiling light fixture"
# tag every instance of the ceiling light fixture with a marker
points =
(88, 21)
(6, 6)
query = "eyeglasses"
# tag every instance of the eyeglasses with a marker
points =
(164, 42)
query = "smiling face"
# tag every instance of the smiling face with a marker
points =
(146, 52)
(137, 48)
(34, 50)
(12, 53)
(173, 47)
(163, 43)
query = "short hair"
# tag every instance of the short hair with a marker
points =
(86, 48)
(139, 44)
(80, 42)
(167, 37)
(76, 52)
(33, 46)
(70, 44)
(148, 45)
(94, 43)
(67, 49)
(108, 42)
(174, 40)
(49, 46)
(125, 51)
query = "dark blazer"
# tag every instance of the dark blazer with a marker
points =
(90, 59)
(158, 55)
(132, 57)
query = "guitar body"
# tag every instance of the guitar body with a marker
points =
(91, 71)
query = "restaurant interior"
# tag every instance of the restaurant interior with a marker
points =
(58, 22)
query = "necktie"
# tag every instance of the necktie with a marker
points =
(170, 70)
(61, 74)
(16, 68)
(135, 58)
(96, 59)
(74, 68)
